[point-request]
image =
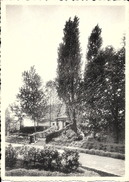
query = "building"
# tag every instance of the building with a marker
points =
(60, 122)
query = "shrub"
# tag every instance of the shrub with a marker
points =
(30, 129)
(87, 151)
(25, 153)
(107, 154)
(107, 147)
(89, 145)
(70, 160)
(49, 158)
(102, 153)
(52, 135)
(80, 137)
(92, 151)
(117, 155)
(10, 156)
(97, 152)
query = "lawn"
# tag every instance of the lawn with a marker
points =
(17, 139)
(21, 170)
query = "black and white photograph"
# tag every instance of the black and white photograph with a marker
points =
(64, 90)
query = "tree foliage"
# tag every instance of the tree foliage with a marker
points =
(54, 104)
(17, 111)
(69, 66)
(105, 91)
(94, 43)
(9, 122)
(31, 95)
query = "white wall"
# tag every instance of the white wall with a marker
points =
(28, 122)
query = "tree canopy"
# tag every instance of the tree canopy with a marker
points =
(105, 91)
(31, 95)
(69, 66)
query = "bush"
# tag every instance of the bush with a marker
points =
(117, 155)
(52, 135)
(30, 129)
(51, 159)
(70, 160)
(92, 151)
(107, 147)
(25, 153)
(10, 156)
(97, 152)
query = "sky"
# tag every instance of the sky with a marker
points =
(33, 34)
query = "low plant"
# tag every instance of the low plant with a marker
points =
(48, 158)
(92, 151)
(117, 155)
(10, 156)
(70, 160)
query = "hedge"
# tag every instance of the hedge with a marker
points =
(55, 134)
(30, 129)
(107, 147)
(96, 152)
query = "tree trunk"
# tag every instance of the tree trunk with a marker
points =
(74, 127)
(34, 126)
(35, 129)
(21, 124)
(116, 132)
(116, 129)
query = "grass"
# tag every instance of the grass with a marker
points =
(37, 172)
(20, 169)
(17, 139)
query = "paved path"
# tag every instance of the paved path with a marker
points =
(102, 164)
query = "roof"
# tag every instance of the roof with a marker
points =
(64, 117)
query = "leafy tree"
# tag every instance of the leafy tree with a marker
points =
(9, 122)
(105, 91)
(103, 99)
(114, 90)
(17, 110)
(92, 77)
(94, 43)
(31, 95)
(69, 63)
(54, 104)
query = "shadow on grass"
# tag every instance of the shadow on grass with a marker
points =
(21, 169)
(101, 173)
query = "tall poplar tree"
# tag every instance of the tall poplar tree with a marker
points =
(69, 67)
(94, 43)
(93, 75)
(105, 91)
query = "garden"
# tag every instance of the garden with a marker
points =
(31, 161)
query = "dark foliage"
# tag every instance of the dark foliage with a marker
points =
(104, 89)
(69, 68)
(50, 159)
(52, 135)
(10, 156)
(104, 147)
(30, 129)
